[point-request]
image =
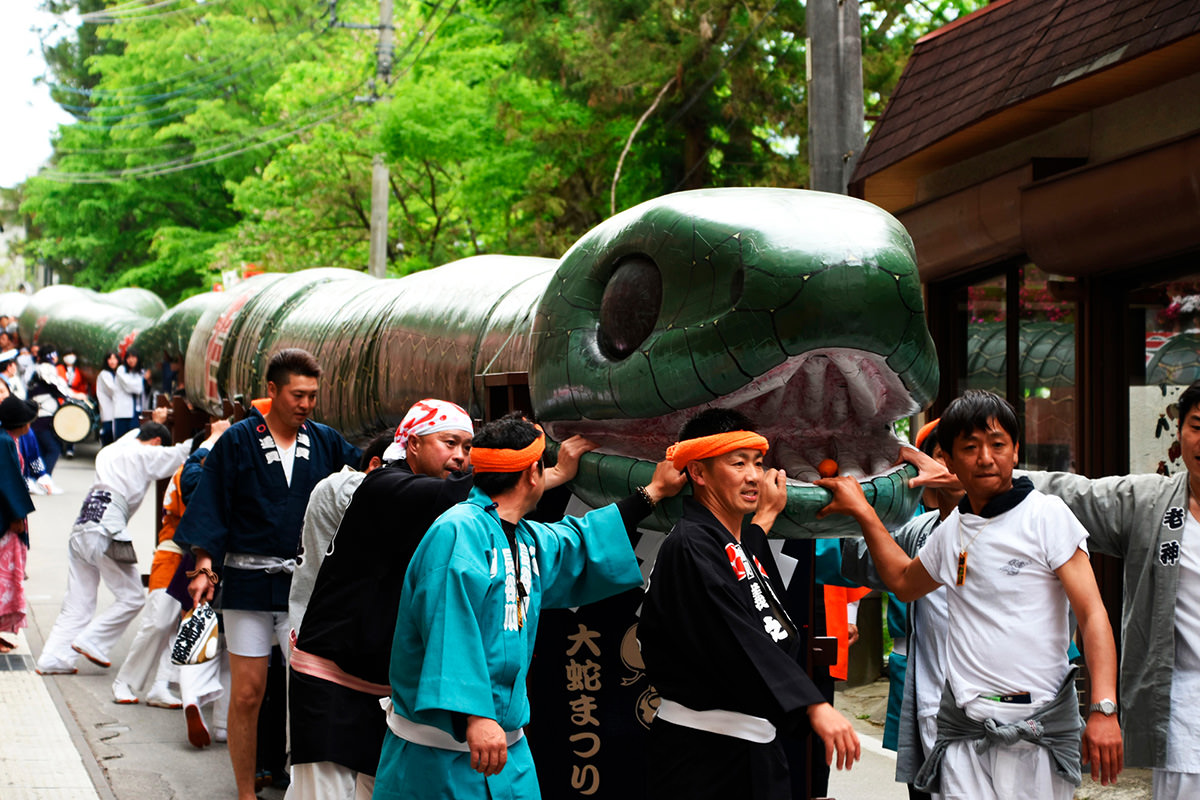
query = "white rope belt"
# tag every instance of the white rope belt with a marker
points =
(429, 736)
(252, 561)
(719, 721)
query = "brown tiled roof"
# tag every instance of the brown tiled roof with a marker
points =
(1009, 52)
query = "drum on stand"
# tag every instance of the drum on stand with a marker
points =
(74, 421)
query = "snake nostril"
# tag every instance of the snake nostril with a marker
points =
(630, 306)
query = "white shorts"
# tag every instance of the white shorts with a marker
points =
(253, 633)
(1175, 785)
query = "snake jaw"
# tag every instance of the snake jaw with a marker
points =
(827, 403)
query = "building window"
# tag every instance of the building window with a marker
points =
(1170, 316)
(1024, 317)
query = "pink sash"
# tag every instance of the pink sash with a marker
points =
(326, 670)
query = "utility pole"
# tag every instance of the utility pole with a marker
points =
(377, 262)
(835, 93)
(384, 53)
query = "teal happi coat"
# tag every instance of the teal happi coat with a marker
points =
(462, 648)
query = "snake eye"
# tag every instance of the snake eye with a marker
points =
(630, 306)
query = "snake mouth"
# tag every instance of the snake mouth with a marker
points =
(833, 403)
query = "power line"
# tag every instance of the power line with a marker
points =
(92, 178)
(140, 99)
(209, 156)
(107, 17)
(242, 145)
(137, 89)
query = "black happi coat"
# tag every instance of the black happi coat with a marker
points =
(706, 646)
(351, 615)
(244, 504)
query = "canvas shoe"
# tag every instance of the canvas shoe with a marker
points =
(55, 669)
(220, 735)
(48, 485)
(34, 487)
(197, 729)
(160, 696)
(99, 661)
(123, 694)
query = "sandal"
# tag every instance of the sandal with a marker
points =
(6, 646)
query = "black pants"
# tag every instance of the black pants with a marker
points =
(683, 762)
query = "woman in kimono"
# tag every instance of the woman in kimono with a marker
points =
(15, 505)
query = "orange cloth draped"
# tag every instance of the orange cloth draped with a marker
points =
(683, 453)
(162, 568)
(489, 459)
(837, 624)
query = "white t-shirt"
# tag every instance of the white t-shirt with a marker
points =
(1009, 620)
(129, 466)
(1183, 732)
(287, 458)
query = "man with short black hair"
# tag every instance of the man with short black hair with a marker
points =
(468, 617)
(716, 639)
(1014, 562)
(243, 526)
(1152, 522)
(100, 548)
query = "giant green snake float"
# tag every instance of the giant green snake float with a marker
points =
(802, 309)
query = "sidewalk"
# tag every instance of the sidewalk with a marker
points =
(39, 756)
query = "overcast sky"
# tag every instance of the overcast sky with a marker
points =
(27, 114)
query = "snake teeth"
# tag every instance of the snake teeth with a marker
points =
(834, 403)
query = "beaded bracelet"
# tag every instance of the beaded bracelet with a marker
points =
(208, 573)
(641, 490)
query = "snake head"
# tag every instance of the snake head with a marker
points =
(801, 309)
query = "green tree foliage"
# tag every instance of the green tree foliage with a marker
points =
(216, 134)
(172, 110)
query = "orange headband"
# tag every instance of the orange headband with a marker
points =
(490, 459)
(683, 453)
(926, 429)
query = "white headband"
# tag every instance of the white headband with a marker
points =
(425, 417)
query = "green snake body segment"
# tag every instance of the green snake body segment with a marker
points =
(803, 309)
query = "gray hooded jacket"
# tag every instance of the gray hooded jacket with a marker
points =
(1138, 518)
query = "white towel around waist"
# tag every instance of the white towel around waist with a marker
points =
(429, 736)
(719, 721)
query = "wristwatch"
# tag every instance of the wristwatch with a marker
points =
(1106, 707)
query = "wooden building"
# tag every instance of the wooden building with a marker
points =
(1045, 157)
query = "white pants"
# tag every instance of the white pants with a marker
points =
(75, 623)
(325, 780)
(201, 684)
(149, 651)
(1175, 785)
(1014, 772)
